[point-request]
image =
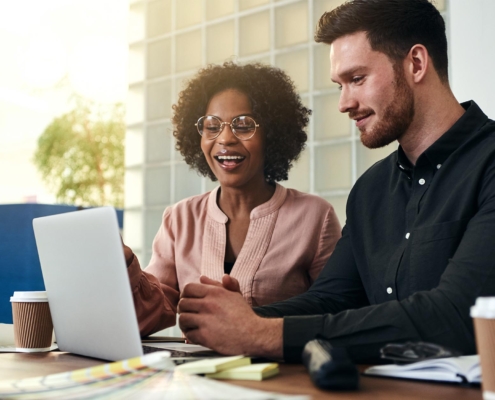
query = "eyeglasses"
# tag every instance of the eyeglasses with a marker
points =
(243, 127)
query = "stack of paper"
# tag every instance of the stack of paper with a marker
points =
(253, 372)
(236, 367)
(212, 365)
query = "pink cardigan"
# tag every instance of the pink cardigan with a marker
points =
(289, 239)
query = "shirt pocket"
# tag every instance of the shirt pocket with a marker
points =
(431, 248)
(442, 231)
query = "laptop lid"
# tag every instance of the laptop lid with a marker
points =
(87, 284)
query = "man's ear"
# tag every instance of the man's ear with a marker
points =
(418, 62)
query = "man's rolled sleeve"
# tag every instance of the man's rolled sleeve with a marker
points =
(297, 332)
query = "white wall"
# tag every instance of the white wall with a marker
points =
(472, 52)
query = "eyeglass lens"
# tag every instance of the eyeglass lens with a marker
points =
(210, 127)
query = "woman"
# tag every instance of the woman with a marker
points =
(243, 126)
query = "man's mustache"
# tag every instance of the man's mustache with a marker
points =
(360, 113)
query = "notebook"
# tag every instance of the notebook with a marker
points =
(452, 369)
(85, 276)
(213, 365)
(253, 372)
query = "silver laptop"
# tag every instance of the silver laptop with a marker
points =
(88, 287)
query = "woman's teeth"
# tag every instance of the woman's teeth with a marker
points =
(229, 160)
(230, 157)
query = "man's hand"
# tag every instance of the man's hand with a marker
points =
(221, 319)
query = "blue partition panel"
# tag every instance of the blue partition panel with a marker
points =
(19, 264)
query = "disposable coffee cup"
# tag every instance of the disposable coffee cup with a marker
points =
(33, 327)
(483, 314)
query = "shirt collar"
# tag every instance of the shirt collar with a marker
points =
(262, 210)
(435, 155)
(403, 163)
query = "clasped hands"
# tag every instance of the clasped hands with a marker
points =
(214, 314)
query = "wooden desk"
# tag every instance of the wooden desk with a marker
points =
(293, 379)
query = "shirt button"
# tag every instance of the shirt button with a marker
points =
(422, 181)
(439, 166)
(389, 290)
(407, 235)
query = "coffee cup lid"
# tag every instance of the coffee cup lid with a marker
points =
(483, 308)
(29, 297)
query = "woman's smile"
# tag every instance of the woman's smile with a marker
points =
(229, 160)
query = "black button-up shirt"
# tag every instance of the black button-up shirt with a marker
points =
(417, 249)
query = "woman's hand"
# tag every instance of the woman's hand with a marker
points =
(228, 283)
(128, 254)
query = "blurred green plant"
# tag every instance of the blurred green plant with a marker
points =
(80, 155)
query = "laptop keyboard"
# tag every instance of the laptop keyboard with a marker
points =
(149, 349)
(178, 357)
(178, 354)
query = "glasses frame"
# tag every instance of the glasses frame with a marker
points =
(222, 124)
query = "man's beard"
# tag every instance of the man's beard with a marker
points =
(397, 116)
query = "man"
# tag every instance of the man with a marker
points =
(419, 243)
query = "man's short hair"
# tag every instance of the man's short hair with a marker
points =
(391, 26)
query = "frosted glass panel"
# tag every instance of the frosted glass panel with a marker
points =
(159, 21)
(296, 65)
(321, 75)
(440, 4)
(136, 23)
(333, 167)
(339, 204)
(245, 4)
(135, 105)
(219, 8)
(329, 122)
(133, 183)
(291, 24)
(188, 51)
(254, 35)
(220, 42)
(321, 6)
(159, 100)
(133, 229)
(188, 12)
(145, 259)
(180, 84)
(176, 155)
(262, 60)
(158, 142)
(299, 174)
(159, 54)
(187, 182)
(367, 157)
(152, 221)
(133, 147)
(136, 63)
(157, 187)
